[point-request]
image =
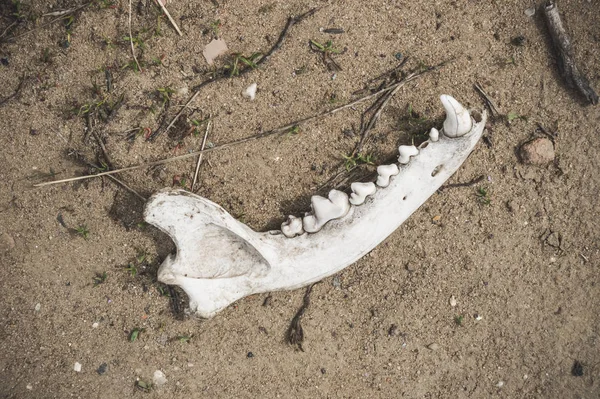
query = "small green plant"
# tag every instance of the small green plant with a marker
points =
(163, 290)
(184, 338)
(293, 130)
(353, 160)
(99, 279)
(136, 40)
(512, 116)
(143, 386)
(458, 320)
(135, 334)
(239, 61)
(215, 26)
(46, 56)
(83, 231)
(483, 195)
(131, 269)
(326, 48)
(165, 93)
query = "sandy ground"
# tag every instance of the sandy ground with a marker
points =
(79, 266)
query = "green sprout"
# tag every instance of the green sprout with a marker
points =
(353, 160)
(99, 279)
(83, 231)
(483, 196)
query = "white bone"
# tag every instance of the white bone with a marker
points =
(292, 227)
(384, 173)
(220, 260)
(360, 192)
(434, 135)
(458, 120)
(250, 91)
(324, 210)
(406, 151)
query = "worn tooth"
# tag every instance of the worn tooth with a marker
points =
(360, 192)
(325, 209)
(458, 120)
(406, 151)
(292, 227)
(385, 172)
(434, 135)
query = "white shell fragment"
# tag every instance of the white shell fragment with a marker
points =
(458, 120)
(434, 135)
(214, 49)
(292, 227)
(384, 173)
(360, 192)
(250, 91)
(324, 210)
(406, 151)
(220, 260)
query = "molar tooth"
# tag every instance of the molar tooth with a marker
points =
(292, 227)
(360, 191)
(385, 172)
(324, 210)
(434, 135)
(407, 151)
(458, 120)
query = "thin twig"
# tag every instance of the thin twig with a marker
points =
(7, 29)
(102, 147)
(278, 130)
(50, 22)
(201, 154)
(164, 9)
(295, 334)
(222, 75)
(131, 40)
(490, 103)
(17, 90)
(465, 184)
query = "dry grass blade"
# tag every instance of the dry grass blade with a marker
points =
(164, 9)
(131, 41)
(201, 154)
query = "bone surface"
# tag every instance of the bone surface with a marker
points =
(434, 135)
(385, 172)
(292, 227)
(360, 192)
(406, 151)
(325, 209)
(458, 119)
(220, 260)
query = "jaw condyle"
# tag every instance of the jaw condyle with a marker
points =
(220, 260)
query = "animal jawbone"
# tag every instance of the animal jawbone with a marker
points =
(220, 260)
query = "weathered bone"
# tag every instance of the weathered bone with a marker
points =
(220, 260)
(360, 192)
(406, 151)
(384, 173)
(458, 120)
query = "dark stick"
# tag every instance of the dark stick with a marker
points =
(17, 90)
(566, 62)
(466, 184)
(295, 333)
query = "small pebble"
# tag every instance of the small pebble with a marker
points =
(433, 347)
(530, 12)
(159, 378)
(577, 369)
(38, 307)
(336, 282)
(478, 317)
(539, 151)
(500, 384)
(323, 371)
(453, 301)
(95, 325)
(250, 355)
(29, 387)
(250, 91)
(7, 242)
(102, 369)
(77, 367)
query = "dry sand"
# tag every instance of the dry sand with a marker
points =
(526, 263)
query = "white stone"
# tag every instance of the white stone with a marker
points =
(159, 378)
(77, 367)
(250, 91)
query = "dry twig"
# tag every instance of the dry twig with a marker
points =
(131, 40)
(164, 9)
(566, 61)
(295, 334)
(201, 154)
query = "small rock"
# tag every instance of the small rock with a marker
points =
(393, 330)
(530, 12)
(577, 369)
(159, 378)
(477, 317)
(6, 242)
(214, 49)
(77, 367)
(29, 387)
(336, 282)
(433, 346)
(102, 369)
(250, 91)
(250, 355)
(38, 307)
(500, 384)
(519, 40)
(539, 151)
(452, 301)
(95, 325)
(411, 267)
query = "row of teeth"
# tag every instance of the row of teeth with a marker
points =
(337, 205)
